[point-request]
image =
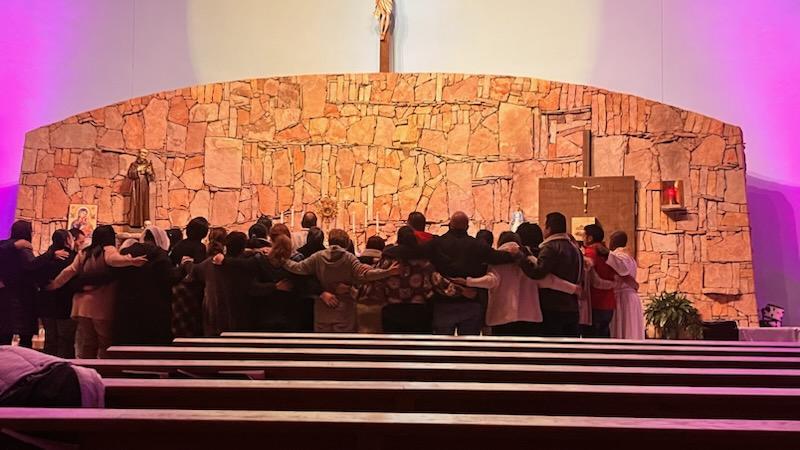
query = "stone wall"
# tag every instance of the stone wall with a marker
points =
(389, 144)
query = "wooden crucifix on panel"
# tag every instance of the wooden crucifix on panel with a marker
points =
(383, 12)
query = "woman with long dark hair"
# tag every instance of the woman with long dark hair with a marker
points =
(93, 306)
(55, 307)
(531, 236)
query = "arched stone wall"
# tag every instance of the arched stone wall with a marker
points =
(388, 144)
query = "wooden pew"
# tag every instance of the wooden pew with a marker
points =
(412, 371)
(494, 346)
(457, 397)
(437, 337)
(124, 429)
(328, 354)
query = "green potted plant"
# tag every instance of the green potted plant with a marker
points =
(673, 316)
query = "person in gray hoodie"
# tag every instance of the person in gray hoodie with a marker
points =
(334, 266)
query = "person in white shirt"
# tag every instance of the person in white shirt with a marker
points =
(628, 321)
(513, 308)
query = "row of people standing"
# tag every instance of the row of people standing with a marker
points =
(534, 283)
(69, 287)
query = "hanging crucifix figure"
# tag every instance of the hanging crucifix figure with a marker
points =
(383, 12)
(585, 189)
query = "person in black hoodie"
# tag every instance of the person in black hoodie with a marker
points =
(257, 237)
(272, 297)
(55, 307)
(191, 247)
(456, 254)
(17, 314)
(315, 241)
(531, 236)
(144, 294)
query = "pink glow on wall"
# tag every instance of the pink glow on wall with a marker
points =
(57, 58)
(739, 61)
(23, 46)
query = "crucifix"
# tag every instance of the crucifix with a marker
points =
(383, 12)
(585, 189)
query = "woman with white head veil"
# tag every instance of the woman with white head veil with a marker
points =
(145, 293)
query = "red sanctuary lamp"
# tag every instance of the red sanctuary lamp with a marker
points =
(672, 195)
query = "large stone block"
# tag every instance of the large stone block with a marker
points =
(437, 209)
(673, 159)
(639, 164)
(155, 124)
(362, 132)
(74, 135)
(314, 92)
(176, 138)
(718, 276)
(384, 131)
(608, 156)
(224, 208)
(464, 90)
(459, 188)
(710, 152)
(434, 141)
(735, 190)
(208, 112)
(281, 169)
(133, 132)
(730, 247)
(112, 139)
(200, 204)
(178, 111)
(38, 138)
(664, 243)
(106, 165)
(482, 142)
(516, 131)
(525, 187)
(386, 181)
(223, 162)
(345, 166)
(56, 201)
(664, 119)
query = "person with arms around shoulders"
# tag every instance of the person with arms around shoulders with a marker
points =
(557, 256)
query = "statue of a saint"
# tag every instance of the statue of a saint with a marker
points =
(141, 174)
(517, 218)
(383, 12)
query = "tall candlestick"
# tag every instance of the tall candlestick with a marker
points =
(291, 211)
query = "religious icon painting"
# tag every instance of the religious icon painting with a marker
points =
(83, 217)
(578, 223)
